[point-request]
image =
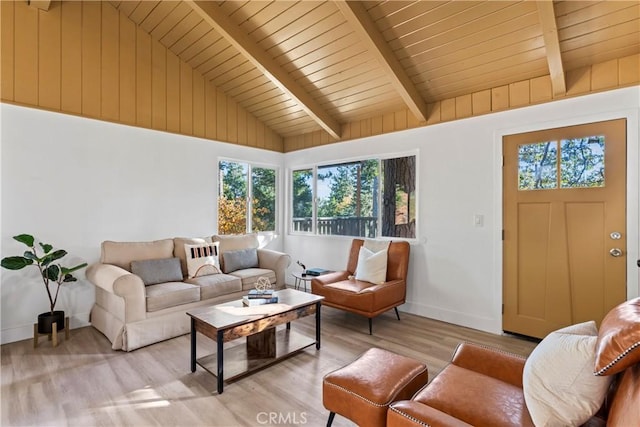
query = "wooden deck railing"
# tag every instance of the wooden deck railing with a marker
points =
(337, 226)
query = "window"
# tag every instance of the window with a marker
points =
(302, 185)
(347, 199)
(364, 198)
(399, 197)
(581, 164)
(263, 211)
(246, 204)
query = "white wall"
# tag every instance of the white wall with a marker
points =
(456, 267)
(74, 182)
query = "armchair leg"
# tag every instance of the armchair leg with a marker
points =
(370, 326)
(330, 420)
(397, 314)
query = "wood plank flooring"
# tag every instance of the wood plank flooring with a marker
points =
(82, 382)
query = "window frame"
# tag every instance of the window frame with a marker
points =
(249, 199)
(314, 168)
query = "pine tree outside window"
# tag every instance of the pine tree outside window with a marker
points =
(364, 198)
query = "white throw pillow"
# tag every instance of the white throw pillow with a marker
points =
(372, 266)
(376, 245)
(558, 382)
(202, 259)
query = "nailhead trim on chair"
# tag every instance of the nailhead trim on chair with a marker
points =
(617, 359)
(486, 347)
(409, 417)
(379, 405)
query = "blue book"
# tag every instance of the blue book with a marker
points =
(254, 293)
(316, 271)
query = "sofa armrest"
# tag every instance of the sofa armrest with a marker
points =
(409, 413)
(123, 284)
(276, 261)
(492, 362)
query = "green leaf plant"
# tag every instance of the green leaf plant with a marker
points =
(50, 269)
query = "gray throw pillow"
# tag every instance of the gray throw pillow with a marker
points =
(238, 260)
(153, 271)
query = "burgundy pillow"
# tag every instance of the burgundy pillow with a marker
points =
(618, 345)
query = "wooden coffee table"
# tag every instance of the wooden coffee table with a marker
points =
(264, 344)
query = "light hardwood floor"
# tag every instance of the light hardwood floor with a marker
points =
(83, 382)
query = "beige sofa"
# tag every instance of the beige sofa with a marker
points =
(132, 315)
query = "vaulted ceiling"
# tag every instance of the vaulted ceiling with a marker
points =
(305, 66)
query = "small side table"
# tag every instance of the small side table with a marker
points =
(301, 280)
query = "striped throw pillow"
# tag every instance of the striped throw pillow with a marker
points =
(202, 259)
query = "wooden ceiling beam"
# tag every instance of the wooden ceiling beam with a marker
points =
(40, 4)
(361, 22)
(552, 46)
(265, 63)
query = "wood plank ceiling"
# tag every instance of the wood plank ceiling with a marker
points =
(302, 66)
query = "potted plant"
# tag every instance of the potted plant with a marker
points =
(51, 272)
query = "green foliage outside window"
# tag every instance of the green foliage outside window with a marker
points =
(365, 198)
(233, 196)
(263, 187)
(302, 193)
(537, 165)
(581, 164)
(352, 189)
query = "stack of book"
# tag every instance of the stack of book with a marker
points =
(256, 297)
(316, 271)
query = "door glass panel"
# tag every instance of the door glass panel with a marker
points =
(582, 162)
(537, 166)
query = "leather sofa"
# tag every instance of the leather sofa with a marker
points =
(341, 290)
(484, 386)
(132, 315)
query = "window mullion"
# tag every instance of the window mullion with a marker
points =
(249, 199)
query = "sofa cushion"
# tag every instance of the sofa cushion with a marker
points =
(216, 285)
(202, 259)
(618, 345)
(122, 253)
(240, 259)
(250, 276)
(153, 271)
(558, 382)
(171, 294)
(372, 266)
(233, 242)
(179, 252)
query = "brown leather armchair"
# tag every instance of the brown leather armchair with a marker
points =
(341, 290)
(482, 386)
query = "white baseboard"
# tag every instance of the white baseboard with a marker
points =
(23, 332)
(485, 324)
